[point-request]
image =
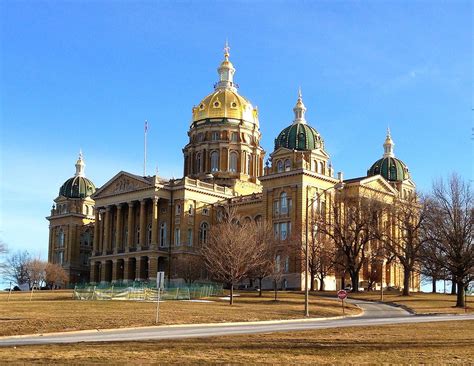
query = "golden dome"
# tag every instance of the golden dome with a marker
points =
(225, 103)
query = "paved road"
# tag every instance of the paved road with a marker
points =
(374, 314)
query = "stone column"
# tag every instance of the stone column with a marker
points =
(142, 223)
(102, 271)
(130, 242)
(152, 268)
(106, 243)
(119, 229)
(138, 269)
(154, 223)
(96, 232)
(125, 270)
(101, 231)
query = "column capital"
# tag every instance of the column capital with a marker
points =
(119, 206)
(108, 208)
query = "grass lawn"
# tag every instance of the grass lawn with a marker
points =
(420, 303)
(445, 342)
(54, 311)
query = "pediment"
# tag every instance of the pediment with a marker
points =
(122, 182)
(376, 183)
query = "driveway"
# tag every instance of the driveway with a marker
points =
(374, 314)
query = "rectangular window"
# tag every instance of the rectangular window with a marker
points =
(276, 208)
(205, 212)
(276, 231)
(235, 137)
(190, 237)
(177, 239)
(287, 264)
(215, 136)
(283, 230)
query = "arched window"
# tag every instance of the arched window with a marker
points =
(249, 162)
(287, 165)
(178, 209)
(60, 238)
(85, 239)
(283, 203)
(258, 219)
(279, 166)
(190, 237)
(277, 263)
(163, 234)
(198, 163)
(321, 167)
(233, 162)
(148, 234)
(214, 161)
(203, 232)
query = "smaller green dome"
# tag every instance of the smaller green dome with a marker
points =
(299, 136)
(390, 168)
(77, 187)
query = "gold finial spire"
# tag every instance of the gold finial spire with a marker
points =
(80, 165)
(226, 50)
(299, 109)
(388, 145)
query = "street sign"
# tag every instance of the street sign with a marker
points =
(342, 294)
(160, 280)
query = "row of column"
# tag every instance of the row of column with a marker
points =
(139, 268)
(103, 233)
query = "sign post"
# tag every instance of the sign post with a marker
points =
(342, 294)
(160, 282)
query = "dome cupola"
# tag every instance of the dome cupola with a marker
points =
(299, 135)
(225, 101)
(78, 186)
(389, 166)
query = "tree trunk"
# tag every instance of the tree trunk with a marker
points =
(312, 280)
(321, 284)
(433, 290)
(355, 281)
(260, 287)
(406, 281)
(453, 287)
(231, 300)
(460, 295)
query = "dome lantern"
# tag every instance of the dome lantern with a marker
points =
(226, 72)
(299, 109)
(78, 186)
(389, 167)
(80, 166)
(299, 135)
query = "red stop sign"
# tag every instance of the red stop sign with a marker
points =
(342, 294)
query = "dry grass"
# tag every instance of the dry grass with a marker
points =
(446, 342)
(420, 303)
(56, 311)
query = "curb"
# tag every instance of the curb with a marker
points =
(164, 327)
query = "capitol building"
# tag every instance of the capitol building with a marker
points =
(133, 226)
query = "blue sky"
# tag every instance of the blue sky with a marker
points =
(86, 74)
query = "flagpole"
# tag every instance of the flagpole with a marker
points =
(144, 149)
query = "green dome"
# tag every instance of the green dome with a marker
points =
(299, 136)
(390, 168)
(77, 187)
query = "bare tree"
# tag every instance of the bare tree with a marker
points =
(352, 224)
(55, 275)
(232, 251)
(375, 260)
(16, 269)
(189, 268)
(3, 252)
(321, 252)
(36, 272)
(450, 230)
(431, 264)
(402, 237)
(265, 237)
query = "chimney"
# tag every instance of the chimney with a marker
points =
(340, 176)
